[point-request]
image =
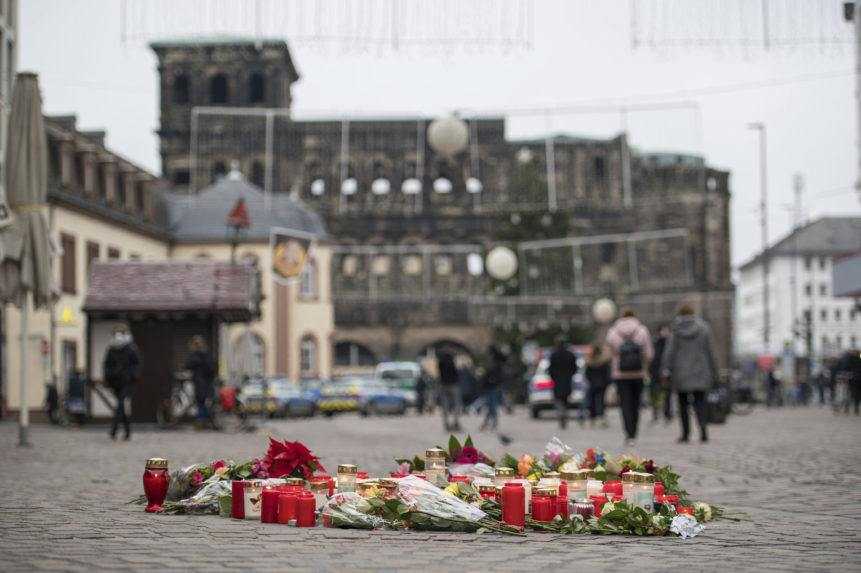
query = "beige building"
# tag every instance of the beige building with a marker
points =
(101, 206)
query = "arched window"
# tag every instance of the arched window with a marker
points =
(219, 170)
(258, 175)
(248, 354)
(218, 90)
(353, 354)
(257, 88)
(308, 280)
(308, 356)
(180, 89)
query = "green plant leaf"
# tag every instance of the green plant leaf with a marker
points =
(454, 447)
(468, 442)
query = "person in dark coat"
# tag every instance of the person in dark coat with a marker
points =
(690, 367)
(598, 378)
(449, 390)
(120, 369)
(202, 367)
(848, 371)
(659, 393)
(492, 384)
(562, 368)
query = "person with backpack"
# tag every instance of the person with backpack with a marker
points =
(562, 368)
(449, 390)
(598, 378)
(690, 367)
(631, 347)
(120, 370)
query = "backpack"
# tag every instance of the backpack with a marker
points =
(630, 355)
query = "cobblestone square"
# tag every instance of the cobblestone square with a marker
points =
(793, 472)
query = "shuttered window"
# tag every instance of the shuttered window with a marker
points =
(113, 253)
(68, 270)
(93, 254)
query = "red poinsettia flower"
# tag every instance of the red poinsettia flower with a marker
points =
(468, 455)
(290, 459)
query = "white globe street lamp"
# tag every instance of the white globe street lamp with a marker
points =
(448, 135)
(501, 263)
(604, 310)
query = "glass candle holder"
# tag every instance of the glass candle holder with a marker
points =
(269, 505)
(488, 491)
(319, 486)
(551, 479)
(347, 477)
(576, 482)
(513, 497)
(503, 475)
(306, 510)
(156, 480)
(287, 503)
(237, 499)
(544, 504)
(435, 466)
(584, 509)
(253, 499)
(639, 489)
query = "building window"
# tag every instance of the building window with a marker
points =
(180, 89)
(68, 265)
(94, 251)
(808, 289)
(248, 355)
(113, 253)
(823, 315)
(79, 171)
(823, 262)
(852, 314)
(837, 315)
(258, 175)
(808, 316)
(600, 168)
(134, 257)
(808, 262)
(823, 289)
(257, 88)
(120, 190)
(353, 354)
(218, 91)
(68, 359)
(181, 177)
(838, 342)
(825, 344)
(853, 342)
(308, 280)
(308, 356)
(140, 203)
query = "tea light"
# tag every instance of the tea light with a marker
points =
(347, 477)
(287, 504)
(503, 475)
(319, 486)
(253, 493)
(576, 481)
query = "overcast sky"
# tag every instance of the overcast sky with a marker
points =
(582, 53)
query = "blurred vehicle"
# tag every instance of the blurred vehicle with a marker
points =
(401, 376)
(279, 397)
(360, 394)
(540, 391)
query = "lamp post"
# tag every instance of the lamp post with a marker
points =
(760, 128)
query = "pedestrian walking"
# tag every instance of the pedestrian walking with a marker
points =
(449, 391)
(598, 378)
(202, 367)
(562, 368)
(773, 389)
(848, 371)
(492, 383)
(660, 394)
(120, 370)
(631, 346)
(690, 367)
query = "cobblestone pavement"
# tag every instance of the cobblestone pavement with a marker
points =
(794, 472)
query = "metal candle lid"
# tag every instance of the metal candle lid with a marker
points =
(348, 469)
(637, 477)
(435, 453)
(156, 464)
(581, 474)
(553, 475)
(294, 481)
(505, 471)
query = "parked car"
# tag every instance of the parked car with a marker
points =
(279, 397)
(360, 394)
(540, 395)
(402, 377)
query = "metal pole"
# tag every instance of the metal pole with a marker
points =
(270, 168)
(23, 407)
(857, 21)
(763, 221)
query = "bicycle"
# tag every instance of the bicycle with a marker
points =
(178, 405)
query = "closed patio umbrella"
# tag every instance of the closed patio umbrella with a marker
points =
(25, 253)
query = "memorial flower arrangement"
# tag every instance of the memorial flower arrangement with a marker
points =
(456, 453)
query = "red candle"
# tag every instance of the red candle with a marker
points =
(329, 479)
(155, 483)
(613, 487)
(237, 501)
(562, 500)
(459, 479)
(543, 506)
(659, 488)
(269, 505)
(513, 498)
(287, 504)
(306, 510)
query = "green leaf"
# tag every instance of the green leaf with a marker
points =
(508, 461)
(468, 442)
(454, 447)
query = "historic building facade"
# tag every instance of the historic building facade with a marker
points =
(587, 217)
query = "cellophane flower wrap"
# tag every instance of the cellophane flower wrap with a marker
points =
(422, 496)
(349, 510)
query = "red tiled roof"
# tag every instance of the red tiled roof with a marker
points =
(131, 286)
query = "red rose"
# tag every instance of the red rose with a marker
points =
(217, 464)
(649, 466)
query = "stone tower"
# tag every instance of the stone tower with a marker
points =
(217, 73)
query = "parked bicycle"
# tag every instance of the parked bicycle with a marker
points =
(226, 411)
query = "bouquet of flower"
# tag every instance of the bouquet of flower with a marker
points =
(288, 459)
(349, 510)
(456, 454)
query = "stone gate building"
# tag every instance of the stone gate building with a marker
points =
(587, 217)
